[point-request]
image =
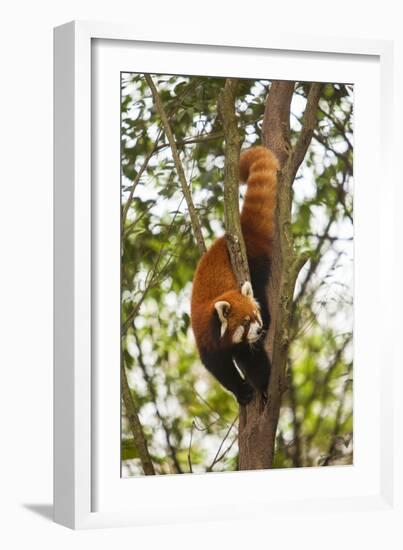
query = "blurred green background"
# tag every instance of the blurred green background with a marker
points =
(189, 421)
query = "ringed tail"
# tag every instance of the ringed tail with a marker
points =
(258, 169)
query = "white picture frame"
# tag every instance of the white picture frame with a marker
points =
(86, 493)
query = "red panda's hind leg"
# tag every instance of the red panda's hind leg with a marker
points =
(221, 366)
(255, 363)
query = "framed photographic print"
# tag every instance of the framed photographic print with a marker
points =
(219, 241)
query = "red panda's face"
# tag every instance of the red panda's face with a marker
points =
(239, 316)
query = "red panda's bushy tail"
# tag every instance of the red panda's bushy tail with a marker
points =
(258, 168)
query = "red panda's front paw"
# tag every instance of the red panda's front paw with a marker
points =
(245, 393)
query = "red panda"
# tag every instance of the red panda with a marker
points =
(229, 323)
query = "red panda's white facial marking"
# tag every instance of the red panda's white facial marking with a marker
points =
(249, 330)
(254, 332)
(238, 335)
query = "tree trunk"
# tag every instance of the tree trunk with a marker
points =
(258, 420)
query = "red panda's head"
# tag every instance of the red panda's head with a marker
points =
(239, 316)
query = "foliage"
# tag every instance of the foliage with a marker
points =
(189, 421)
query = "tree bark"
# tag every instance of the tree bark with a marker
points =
(258, 420)
(233, 233)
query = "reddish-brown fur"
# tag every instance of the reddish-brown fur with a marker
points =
(214, 279)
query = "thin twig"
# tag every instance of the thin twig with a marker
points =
(190, 448)
(214, 462)
(227, 450)
(221, 418)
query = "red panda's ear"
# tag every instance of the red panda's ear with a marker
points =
(247, 289)
(222, 308)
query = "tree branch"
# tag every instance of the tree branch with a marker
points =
(135, 425)
(233, 233)
(305, 136)
(179, 167)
